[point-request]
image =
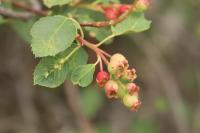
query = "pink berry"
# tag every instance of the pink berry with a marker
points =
(111, 89)
(102, 78)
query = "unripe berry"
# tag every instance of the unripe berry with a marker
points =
(117, 58)
(102, 78)
(124, 8)
(111, 89)
(142, 5)
(132, 88)
(132, 102)
(111, 13)
(118, 64)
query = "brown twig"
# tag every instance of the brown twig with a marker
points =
(36, 4)
(16, 15)
(29, 9)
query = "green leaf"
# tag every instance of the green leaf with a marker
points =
(136, 22)
(52, 71)
(51, 3)
(51, 35)
(83, 75)
(144, 125)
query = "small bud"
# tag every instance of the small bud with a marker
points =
(124, 8)
(129, 75)
(132, 88)
(102, 78)
(118, 64)
(111, 89)
(132, 102)
(111, 13)
(142, 5)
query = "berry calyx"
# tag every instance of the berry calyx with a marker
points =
(132, 88)
(123, 8)
(111, 13)
(102, 78)
(129, 75)
(111, 89)
(142, 5)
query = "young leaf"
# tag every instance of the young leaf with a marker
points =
(136, 22)
(51, 3)
(83, 75)
(52, 71)
(51, 35)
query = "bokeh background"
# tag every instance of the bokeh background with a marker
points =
(167, 59)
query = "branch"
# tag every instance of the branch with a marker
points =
(36, 4)
(36, 11)
(108, 23)
(25, 15)
(15, 15)
(29, 9)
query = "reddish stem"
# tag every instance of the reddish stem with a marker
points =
(101, 65)
(105, 53)
(92, 46)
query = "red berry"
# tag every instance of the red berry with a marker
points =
(124, 8)
(111, 13)
(102, 78)
(111, 89)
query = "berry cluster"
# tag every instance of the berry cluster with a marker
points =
(119, 82)
(113, 11)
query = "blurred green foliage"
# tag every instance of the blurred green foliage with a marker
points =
(92, 100)
(161, 104)
(144, 125)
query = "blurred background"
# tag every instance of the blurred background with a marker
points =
(167, 60)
